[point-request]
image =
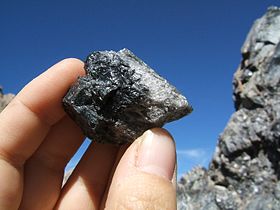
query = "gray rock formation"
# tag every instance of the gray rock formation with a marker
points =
(245, 170)
(4, 99)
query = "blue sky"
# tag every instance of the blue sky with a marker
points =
(194, 44)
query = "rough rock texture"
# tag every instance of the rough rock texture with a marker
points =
(245, 170)
(120, 97)
(4, 99)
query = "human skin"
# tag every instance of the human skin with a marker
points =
(38, 139)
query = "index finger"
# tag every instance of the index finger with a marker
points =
(27, 119)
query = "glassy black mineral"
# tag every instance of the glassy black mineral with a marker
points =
(120, 97)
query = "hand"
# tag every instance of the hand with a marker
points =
(37, 139)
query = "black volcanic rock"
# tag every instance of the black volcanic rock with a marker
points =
(121, 97)
(245, 170)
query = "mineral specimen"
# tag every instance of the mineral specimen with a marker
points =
(120, 97)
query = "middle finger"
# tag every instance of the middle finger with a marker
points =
(86, 186)
(43, 172)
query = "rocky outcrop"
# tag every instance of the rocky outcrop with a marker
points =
(245, 170)
(4, 99)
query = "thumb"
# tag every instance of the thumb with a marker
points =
(143, 178)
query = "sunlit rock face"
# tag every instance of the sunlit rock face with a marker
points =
(245, 170)
(4, 99)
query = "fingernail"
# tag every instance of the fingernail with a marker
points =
(156, 153)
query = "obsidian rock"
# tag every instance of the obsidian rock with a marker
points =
(120, 97)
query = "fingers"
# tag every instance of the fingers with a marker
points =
(45, 169)
(85, 187)
(26, 121)
(11, 186)
(143, 178)
(121, 151)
